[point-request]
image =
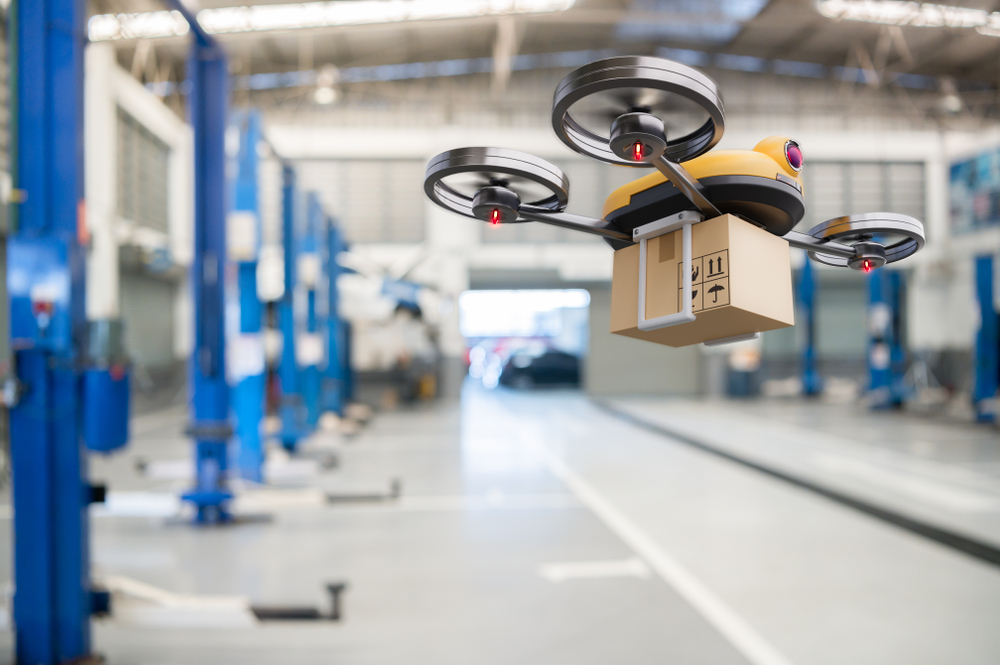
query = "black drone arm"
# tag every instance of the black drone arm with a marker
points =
(828, 247)
(687, 184)
(568, 220)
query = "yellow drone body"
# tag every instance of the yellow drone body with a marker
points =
(774, 160)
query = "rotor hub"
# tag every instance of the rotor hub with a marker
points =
(496, 204)
(867, 256)
(638, 136)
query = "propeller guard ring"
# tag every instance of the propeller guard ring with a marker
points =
(857, 226)
(631, 71)
(490, 161)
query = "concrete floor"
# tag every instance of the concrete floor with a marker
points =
(540, 528)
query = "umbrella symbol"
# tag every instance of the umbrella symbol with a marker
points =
(715, 291)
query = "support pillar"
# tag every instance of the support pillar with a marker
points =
(333, 398)
(987, 364)
(812, 381)
(310, 350)
(210, 427)
(886, 353)
(290, 408)
(45, 278)
(248, 362)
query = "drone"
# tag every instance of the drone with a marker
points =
(693, 187)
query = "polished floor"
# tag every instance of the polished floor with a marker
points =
(541, 528)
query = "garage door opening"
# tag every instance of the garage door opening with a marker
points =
(525, 339)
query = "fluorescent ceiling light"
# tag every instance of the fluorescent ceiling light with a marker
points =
(917, 14)
(260, 18)
(134, 26)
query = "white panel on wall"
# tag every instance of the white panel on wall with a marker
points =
(143, 166)
(375, 201)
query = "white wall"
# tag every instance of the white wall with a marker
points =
(107, 88)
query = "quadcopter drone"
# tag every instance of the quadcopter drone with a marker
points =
(692, 182)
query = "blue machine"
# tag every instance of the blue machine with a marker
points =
(60, 399)
(248, 366)
(812, 381)
(291, 407)
(210, 427)
(987, 367)
(332, 395)
(311, 350)
(886, 354)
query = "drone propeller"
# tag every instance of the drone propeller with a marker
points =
(637, 86)
(645, 88)
(493, 183)
(863, 241)
(505, 186)
(598, 111)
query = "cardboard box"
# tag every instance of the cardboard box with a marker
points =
(741, 280)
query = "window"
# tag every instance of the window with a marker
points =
(143, 161)
(843, 188)
(375, 201)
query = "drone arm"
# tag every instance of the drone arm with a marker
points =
(687, 184)
(811, 244)
(575, 222)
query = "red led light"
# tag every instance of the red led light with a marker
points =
(495, 216)
(638, 151)
(867, 265)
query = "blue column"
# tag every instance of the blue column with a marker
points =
(210, 427)
(248, 393)
(886, 354)
(290, 409)
(349, 379)
(310, 255)
(333, 374)
(987, 367)
(46, 288)
(812, 381)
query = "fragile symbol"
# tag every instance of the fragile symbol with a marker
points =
(694, 272)
(715, 290)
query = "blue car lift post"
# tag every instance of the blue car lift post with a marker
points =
(250, 368)
(208, 108)
(290, 408)
(886, 355)
(812, 381)
(60, 398)
(987, 367)
(311, 266)
(333, 373)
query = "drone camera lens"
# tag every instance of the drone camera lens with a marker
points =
(793, 153)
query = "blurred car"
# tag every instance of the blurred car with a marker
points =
(549, 368)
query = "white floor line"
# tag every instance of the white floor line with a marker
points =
(731, 625)
(594, 570)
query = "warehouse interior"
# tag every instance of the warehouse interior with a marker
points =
(268, 397)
